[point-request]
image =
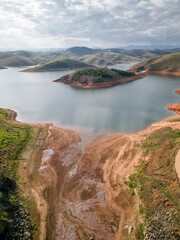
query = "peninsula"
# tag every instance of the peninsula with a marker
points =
(166, 64)
(98, 77)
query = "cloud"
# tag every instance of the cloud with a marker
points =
(94, 23)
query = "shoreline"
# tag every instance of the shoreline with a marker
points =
(67, 178)
(103, 84)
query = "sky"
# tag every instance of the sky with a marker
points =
(34, 24)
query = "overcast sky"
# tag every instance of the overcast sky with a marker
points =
(93, 23)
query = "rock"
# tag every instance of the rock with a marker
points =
(175, 108)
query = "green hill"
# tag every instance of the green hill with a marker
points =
(98, 77)
(107, 59)
(59, 64)
(95, 60)
(169, 63)
(118, 58)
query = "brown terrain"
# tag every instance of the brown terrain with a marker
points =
(65, 80)
(174, 107)
(162, 72)
(78, 189)
(177, 91)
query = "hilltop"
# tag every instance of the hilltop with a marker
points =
(107, 59)
(166, 64)
(59, 64)
(98, 77)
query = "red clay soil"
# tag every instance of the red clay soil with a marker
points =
(103, 84)
(164, 72)
(175, 108)
(79, 189)
(177, 91)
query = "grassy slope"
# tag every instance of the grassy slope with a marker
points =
(59, 64)
(157, 185)
(170, 62)
(107, 58)
(95, 60)
(116, 57)
(14, 214)
(17, 61)
(98, 75)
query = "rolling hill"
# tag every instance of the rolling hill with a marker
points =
(17, 61)
(59, 64)
(163, 64)
(95, 60)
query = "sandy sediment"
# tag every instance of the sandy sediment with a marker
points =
(163, 72)
(78, 189)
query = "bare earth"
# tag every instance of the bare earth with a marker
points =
(77, 190)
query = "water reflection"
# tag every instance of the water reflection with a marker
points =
(125, 108)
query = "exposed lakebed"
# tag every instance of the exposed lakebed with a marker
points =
(125, 108)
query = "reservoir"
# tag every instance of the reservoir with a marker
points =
(124, 108)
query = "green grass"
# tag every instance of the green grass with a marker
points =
(170, 63)
(13, 139)
(98, 75)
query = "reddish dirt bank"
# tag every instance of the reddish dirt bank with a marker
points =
(175, 108)
(101, 85)
(177, 91)
(163, 72)
(79, 190)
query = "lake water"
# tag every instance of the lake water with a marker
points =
(124, 108)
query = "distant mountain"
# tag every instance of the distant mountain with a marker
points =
(107, 59)
(59, 64)
(81, 51)
(101, 57)
(17, 61)
(166, 63)
(95, 60)
(145, 53)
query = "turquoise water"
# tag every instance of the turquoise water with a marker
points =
(124, 108)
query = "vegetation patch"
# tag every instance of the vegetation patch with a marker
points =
(14, 213)
(157, 186)
(98, 75)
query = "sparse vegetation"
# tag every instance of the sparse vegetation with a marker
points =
(59, 64)
(14, 213)
(156, 183)
(98, 75)
(170, 63)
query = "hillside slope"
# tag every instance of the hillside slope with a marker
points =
(123, 186)
(17, 61)
(96, 60)
(59, 64)
(167, 63)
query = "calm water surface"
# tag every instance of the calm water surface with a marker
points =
(124, 108)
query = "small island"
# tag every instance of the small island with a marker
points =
(98, 77)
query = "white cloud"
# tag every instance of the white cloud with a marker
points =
(108, 23)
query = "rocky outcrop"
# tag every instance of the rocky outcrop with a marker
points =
(175, 108)
(177, 91)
